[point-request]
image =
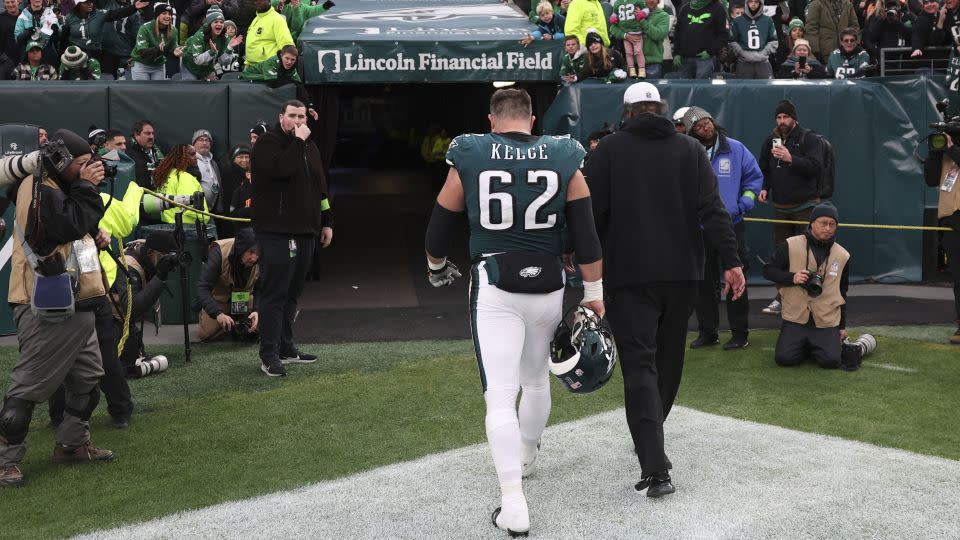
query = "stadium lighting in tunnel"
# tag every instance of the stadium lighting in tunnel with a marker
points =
(503, 84)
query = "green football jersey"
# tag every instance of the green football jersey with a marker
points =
(515, 187)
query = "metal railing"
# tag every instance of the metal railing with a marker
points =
(897, 60)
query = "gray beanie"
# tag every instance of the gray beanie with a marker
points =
(201, 133)
(694, 115)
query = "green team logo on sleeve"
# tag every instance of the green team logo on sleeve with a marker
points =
(516, 191)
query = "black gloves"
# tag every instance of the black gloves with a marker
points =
(328, 4)
(166, 263)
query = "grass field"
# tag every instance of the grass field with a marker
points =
(219, 430)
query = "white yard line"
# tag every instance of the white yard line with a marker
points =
(735, 479)
(891, 367)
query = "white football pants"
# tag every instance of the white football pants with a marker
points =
(511, 335)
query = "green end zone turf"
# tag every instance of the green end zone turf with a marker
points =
(218, 430)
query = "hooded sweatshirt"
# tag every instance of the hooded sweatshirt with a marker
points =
(701, 26)
(754, 36)
(646, 179)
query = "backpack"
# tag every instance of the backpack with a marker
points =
(825, 181)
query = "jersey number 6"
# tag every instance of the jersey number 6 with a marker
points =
(506, 200)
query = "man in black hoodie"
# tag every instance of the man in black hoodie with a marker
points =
(700, 33)
(649, 220)
(289, 208)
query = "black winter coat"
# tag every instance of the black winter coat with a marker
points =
(792, 183)
(651, 190)
(288, 185)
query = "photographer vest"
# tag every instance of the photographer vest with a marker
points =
(91, 282)
(798, 306)
(225, 286)
(948, 202)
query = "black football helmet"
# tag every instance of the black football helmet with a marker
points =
(583, 356)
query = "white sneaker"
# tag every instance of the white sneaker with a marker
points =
(773, 308)
(515, 518)
(528, 459)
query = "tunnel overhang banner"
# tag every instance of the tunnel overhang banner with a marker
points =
(425, 41)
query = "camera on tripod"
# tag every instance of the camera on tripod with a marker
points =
(950, 125)
(814, 284)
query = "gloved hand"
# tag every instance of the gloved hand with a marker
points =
(643, 14)
(444, 276)
(166, 264)
(704, 55)
(614, 19)
(677, 62)
(328, 4)
(620, 74)
(746, 204)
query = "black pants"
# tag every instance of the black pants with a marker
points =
(650, 327)
(951, 244)
(280, 284)
(708, 297)
(113, 383)
(797, 342)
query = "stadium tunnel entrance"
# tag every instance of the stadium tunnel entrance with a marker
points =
(386, 165)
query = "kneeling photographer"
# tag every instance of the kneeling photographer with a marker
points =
(811, 272)
(941, 169)
(56, 283)
(148, 262)
(226, 289)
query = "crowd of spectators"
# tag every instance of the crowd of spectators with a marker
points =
(148, 39)
(745, 39)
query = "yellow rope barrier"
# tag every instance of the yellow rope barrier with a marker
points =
(854, 225)
(190, 208)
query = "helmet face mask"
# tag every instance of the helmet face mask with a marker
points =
(583, 356)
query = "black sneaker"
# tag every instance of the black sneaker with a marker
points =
(121, 422)
(657, 485)
(704, 340)
(736, 343)
(298, 358)
(273, 369)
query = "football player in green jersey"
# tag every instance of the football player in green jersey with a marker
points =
(520, 193)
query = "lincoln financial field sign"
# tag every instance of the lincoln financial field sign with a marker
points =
(425, 41)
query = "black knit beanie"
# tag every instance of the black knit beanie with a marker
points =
(788, 108)
(827, 209)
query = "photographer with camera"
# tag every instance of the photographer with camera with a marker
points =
(811, 271)
(226, 289)
(55, 282)
(149, 263)
(941, 169)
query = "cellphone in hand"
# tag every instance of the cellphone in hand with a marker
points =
(777, 141)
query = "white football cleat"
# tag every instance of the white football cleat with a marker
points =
(528, 459)
(515, 519)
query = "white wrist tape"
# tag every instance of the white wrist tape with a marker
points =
(593, 290)
(437, 266)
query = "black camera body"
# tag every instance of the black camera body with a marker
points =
(814, 284)
(55, 157)
(950, 125)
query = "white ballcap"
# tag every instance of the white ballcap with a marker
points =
(641, 92)
(678, 116)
